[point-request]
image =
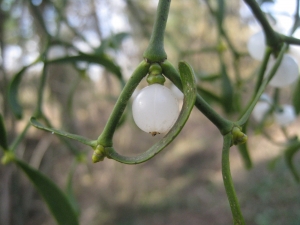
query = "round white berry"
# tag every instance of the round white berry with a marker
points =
(155, 109)
(285, 115)
(287, 72)
(256, 45)
(260, 109)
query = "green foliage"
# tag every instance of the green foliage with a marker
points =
(227, 91)
(112, 42)
(189, 90)
(79, 138)
(289, 153)
(13, 94)
(56, 200)
(3, 137)
(101, 59)
(296, 97)
(229, 81)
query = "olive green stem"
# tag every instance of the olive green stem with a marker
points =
(155, 51)
(289, 39)
(272, 38)
(41, 89)
(262, 87)
(263, 68)
(39, 18)
(19, 138)
(105, 139)
(288, 154)
(297, 18)
(221, 123)
(228, 183)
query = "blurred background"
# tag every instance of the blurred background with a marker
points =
(181, 185)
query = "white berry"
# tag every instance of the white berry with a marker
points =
(259, 111)
(285, 115)
(256, 45)
(155, 109)
(287, 72)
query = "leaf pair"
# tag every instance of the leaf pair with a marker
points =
(102, 59)
(57, 202)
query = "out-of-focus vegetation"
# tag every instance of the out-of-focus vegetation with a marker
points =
(65, 62)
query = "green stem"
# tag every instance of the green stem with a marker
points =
(272, 38)
(155, 51)
(262, 87)
(228, 183)
(263, 68)
(289, 39)
(221, 123)
(296, 23)
(39, 18)
(105, 139)
(19, 138)
(288, 154)
(40, 95)
(73, 149)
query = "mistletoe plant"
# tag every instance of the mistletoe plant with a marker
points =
(155, 109)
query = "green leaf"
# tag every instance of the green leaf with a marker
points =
(101, 59)
(76, 137)
(56, 200)
(189, 90)
(296, 97)
(69, 188)
(289, 153)
(117, 39)
(3, 137)
(227, 91)
(113, 42)
(210, 78)
(13, 94)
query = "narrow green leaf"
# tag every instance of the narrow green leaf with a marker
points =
(76, 137)
(296, 97)
(101, 59)
(209, 78)
(56, 200)
(289, 154)
(227, 91)
(69, 188)
(189, 90)
(113, 42)
(117, 39)
(3, 137)
(13, 94)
